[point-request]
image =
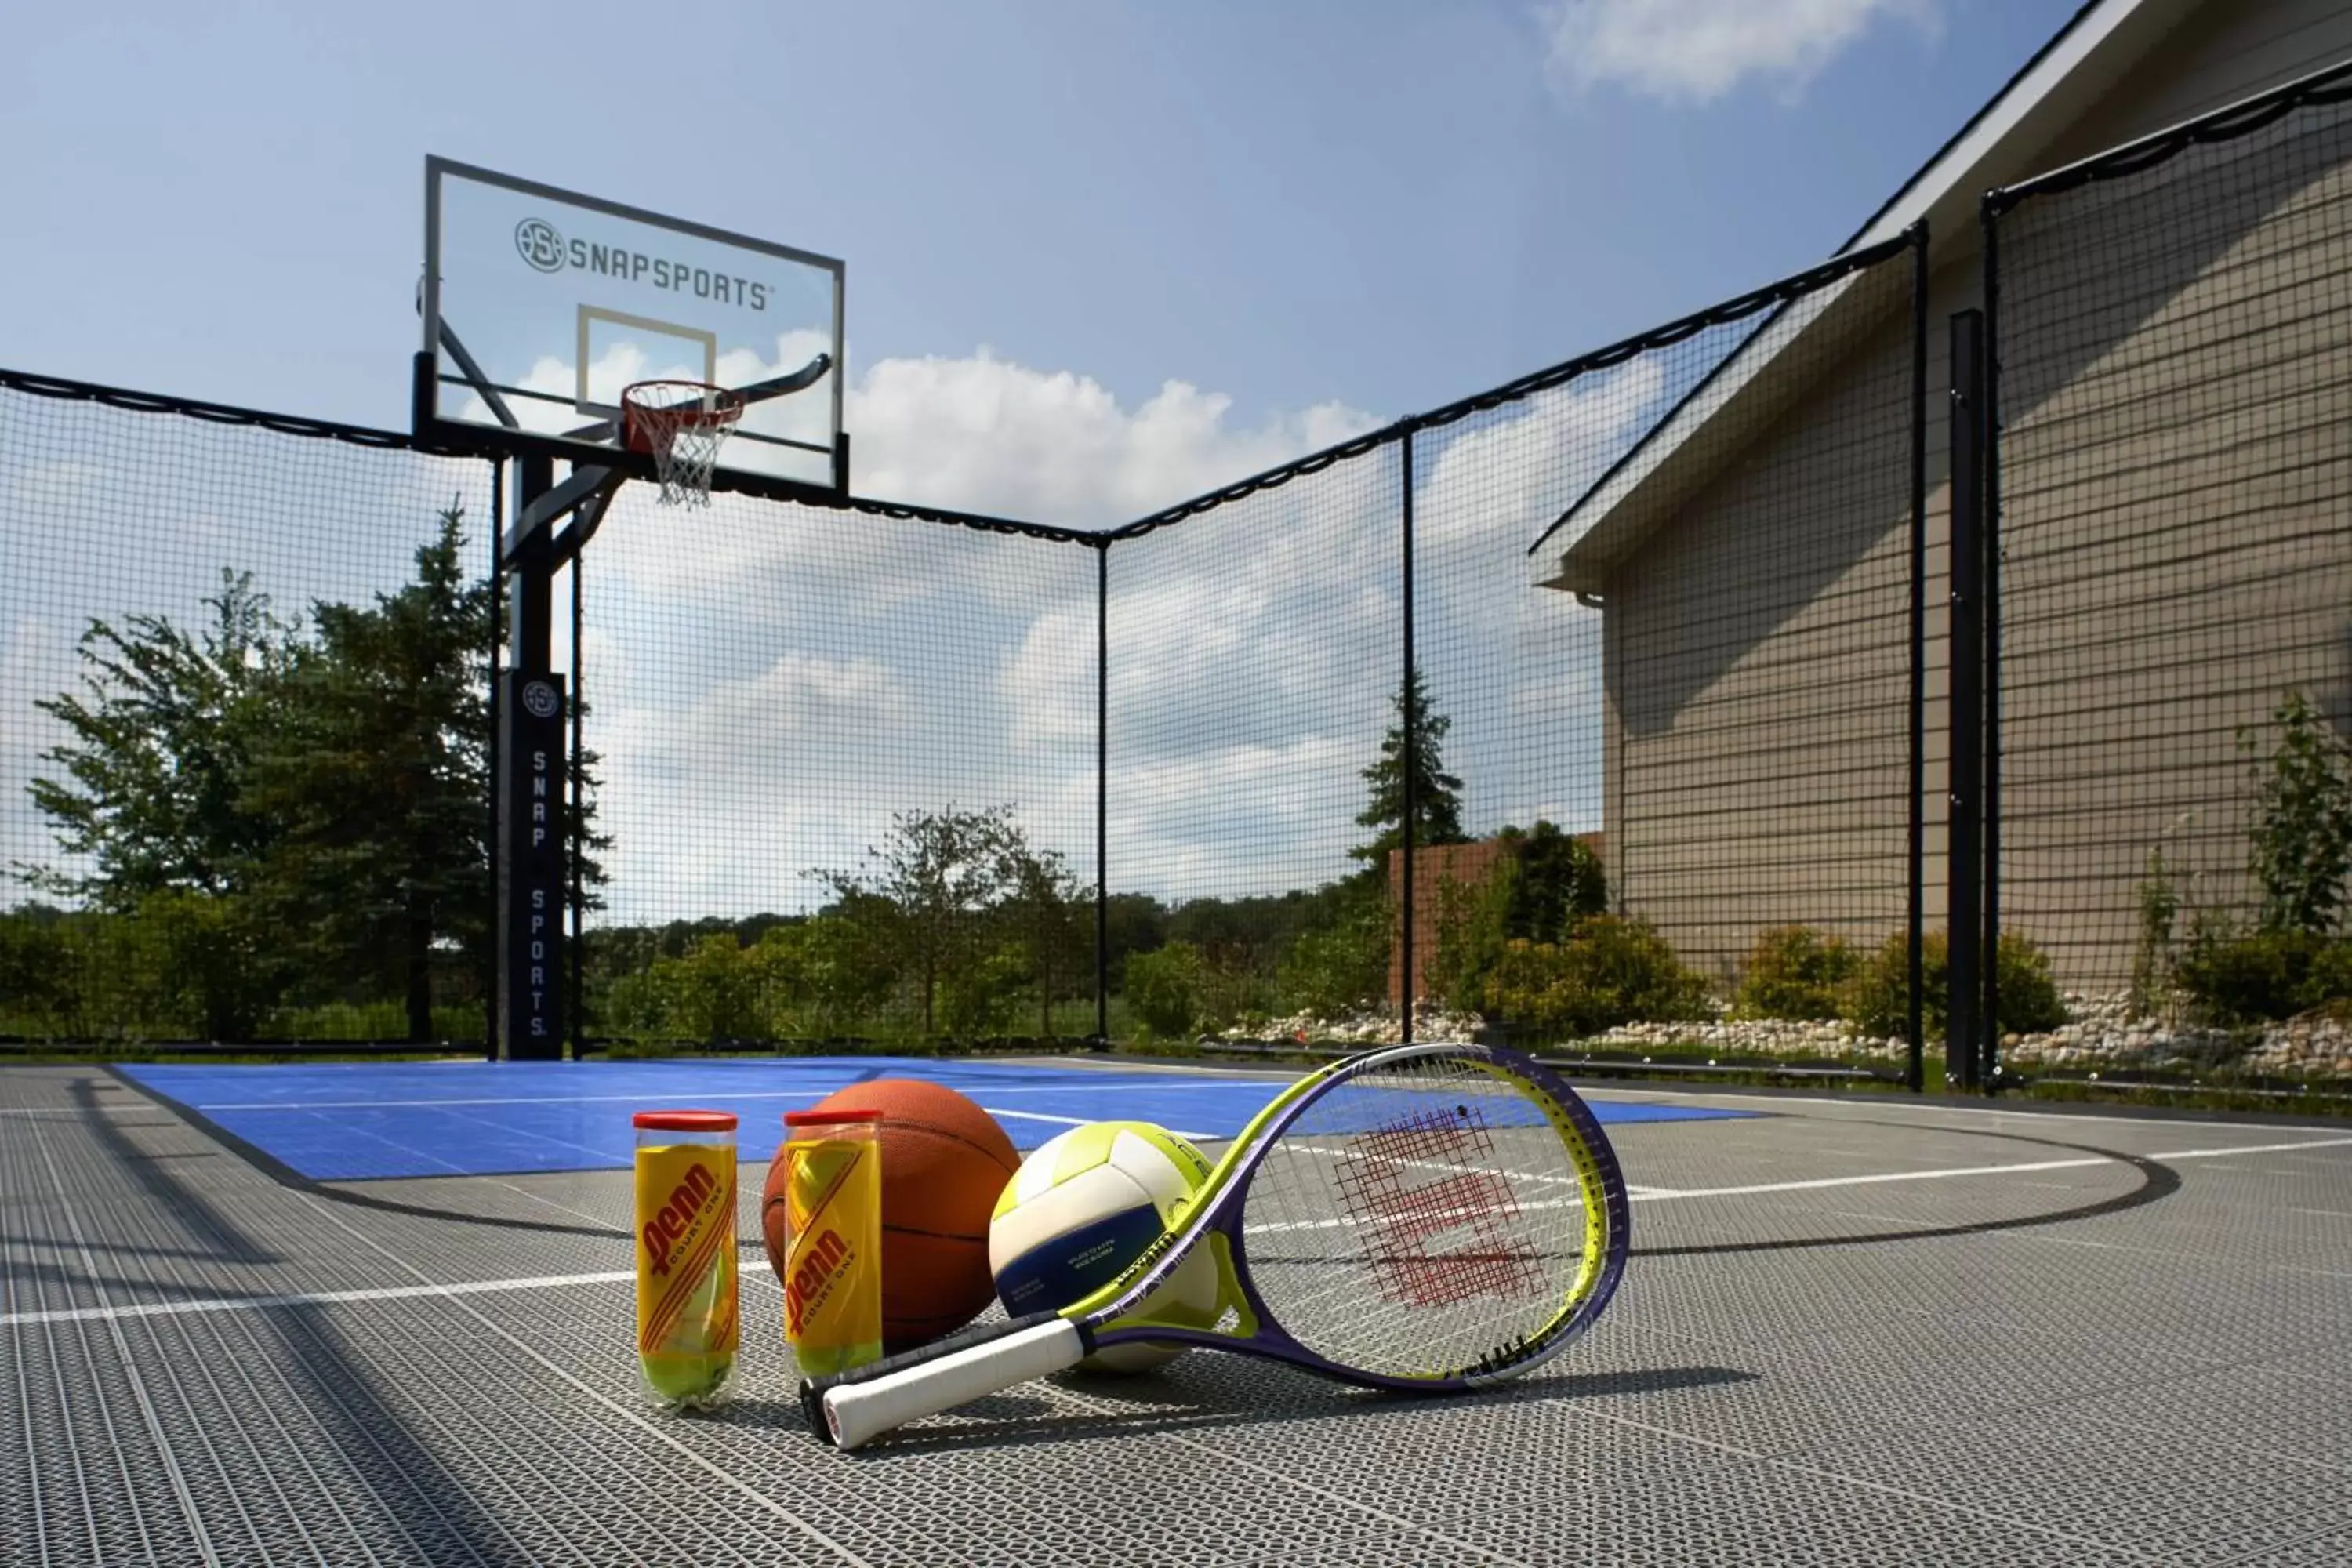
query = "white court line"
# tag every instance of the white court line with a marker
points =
(1647, 1096)
(1088, 1121)
(1659, 1193)
(306, 1298)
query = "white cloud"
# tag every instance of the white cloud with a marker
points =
(1697, 51)
(987, 435)
(769, 684)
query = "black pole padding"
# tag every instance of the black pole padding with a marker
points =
(1963, 862)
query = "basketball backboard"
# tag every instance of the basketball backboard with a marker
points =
(540, 305)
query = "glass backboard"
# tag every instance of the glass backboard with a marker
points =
(540, 305)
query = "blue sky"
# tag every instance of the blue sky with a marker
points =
(1379, 204)
(1101, 257)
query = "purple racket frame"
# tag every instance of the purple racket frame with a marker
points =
(1273, 1341)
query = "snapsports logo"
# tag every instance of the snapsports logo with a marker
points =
(544, 248)
(539, 243)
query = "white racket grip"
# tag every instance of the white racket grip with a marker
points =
(855, 1412)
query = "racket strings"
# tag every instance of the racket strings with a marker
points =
(1397, 1216)
(1418, 1220)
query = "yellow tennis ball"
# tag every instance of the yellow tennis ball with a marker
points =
(1081, 1208)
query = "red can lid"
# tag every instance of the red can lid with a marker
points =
(688, 1120)
(829, 1118)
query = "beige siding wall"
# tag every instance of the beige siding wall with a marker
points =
(1758, 681)
(2227, 50)
(2176, 521)
(2178, 489)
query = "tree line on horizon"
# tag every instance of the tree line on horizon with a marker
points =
(279, 828)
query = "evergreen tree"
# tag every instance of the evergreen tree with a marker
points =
(1437, 794)
(163, 734)
(376, 777)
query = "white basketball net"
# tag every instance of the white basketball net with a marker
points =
(683, 424)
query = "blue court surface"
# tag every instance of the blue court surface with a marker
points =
(367, 1120)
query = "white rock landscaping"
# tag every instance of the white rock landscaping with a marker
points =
(2099, 1035)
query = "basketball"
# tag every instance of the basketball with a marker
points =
(944, 1161)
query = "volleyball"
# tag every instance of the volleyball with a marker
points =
(1083, 1206)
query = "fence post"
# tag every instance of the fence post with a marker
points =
(491, 947)
(1102, 789)
(1992, 462)
(1963, 855)
(1914, 892)
(577, 838)
(1411, 751)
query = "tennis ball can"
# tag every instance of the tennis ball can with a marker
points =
(833, 1264)
(687, 1327)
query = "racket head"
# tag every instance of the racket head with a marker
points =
(1442, 1214)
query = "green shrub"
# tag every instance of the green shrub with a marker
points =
(1473, 931)
(217, 970)
(38, 994)
(1876, 999)
(2028, 997)
(2301, 830)
(1540, 890)
(1164, 987)
(1232, 990)
(1555, 880)
(710, 992)
(1337, 968)
(981, 997)
(2155, 972)
(832, 976)
(1610, 971)
(2258, 976)
(1793, 972)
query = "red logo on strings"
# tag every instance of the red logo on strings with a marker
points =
(1403, 1214)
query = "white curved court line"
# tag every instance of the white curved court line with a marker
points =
(559, 1282)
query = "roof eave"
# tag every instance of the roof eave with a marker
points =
(2069, 74)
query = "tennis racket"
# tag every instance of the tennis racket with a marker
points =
(1423, 1217)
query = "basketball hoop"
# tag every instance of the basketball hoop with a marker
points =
(683, 424)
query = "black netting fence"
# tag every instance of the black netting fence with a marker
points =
(1682, 723)
(243, 744)
(845, 768)
(1254, 666)
(1613, 706)
(1666, 749)
(1262, 765)
(2173, 334)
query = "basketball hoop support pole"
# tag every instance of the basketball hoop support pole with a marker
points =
(527, 778)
